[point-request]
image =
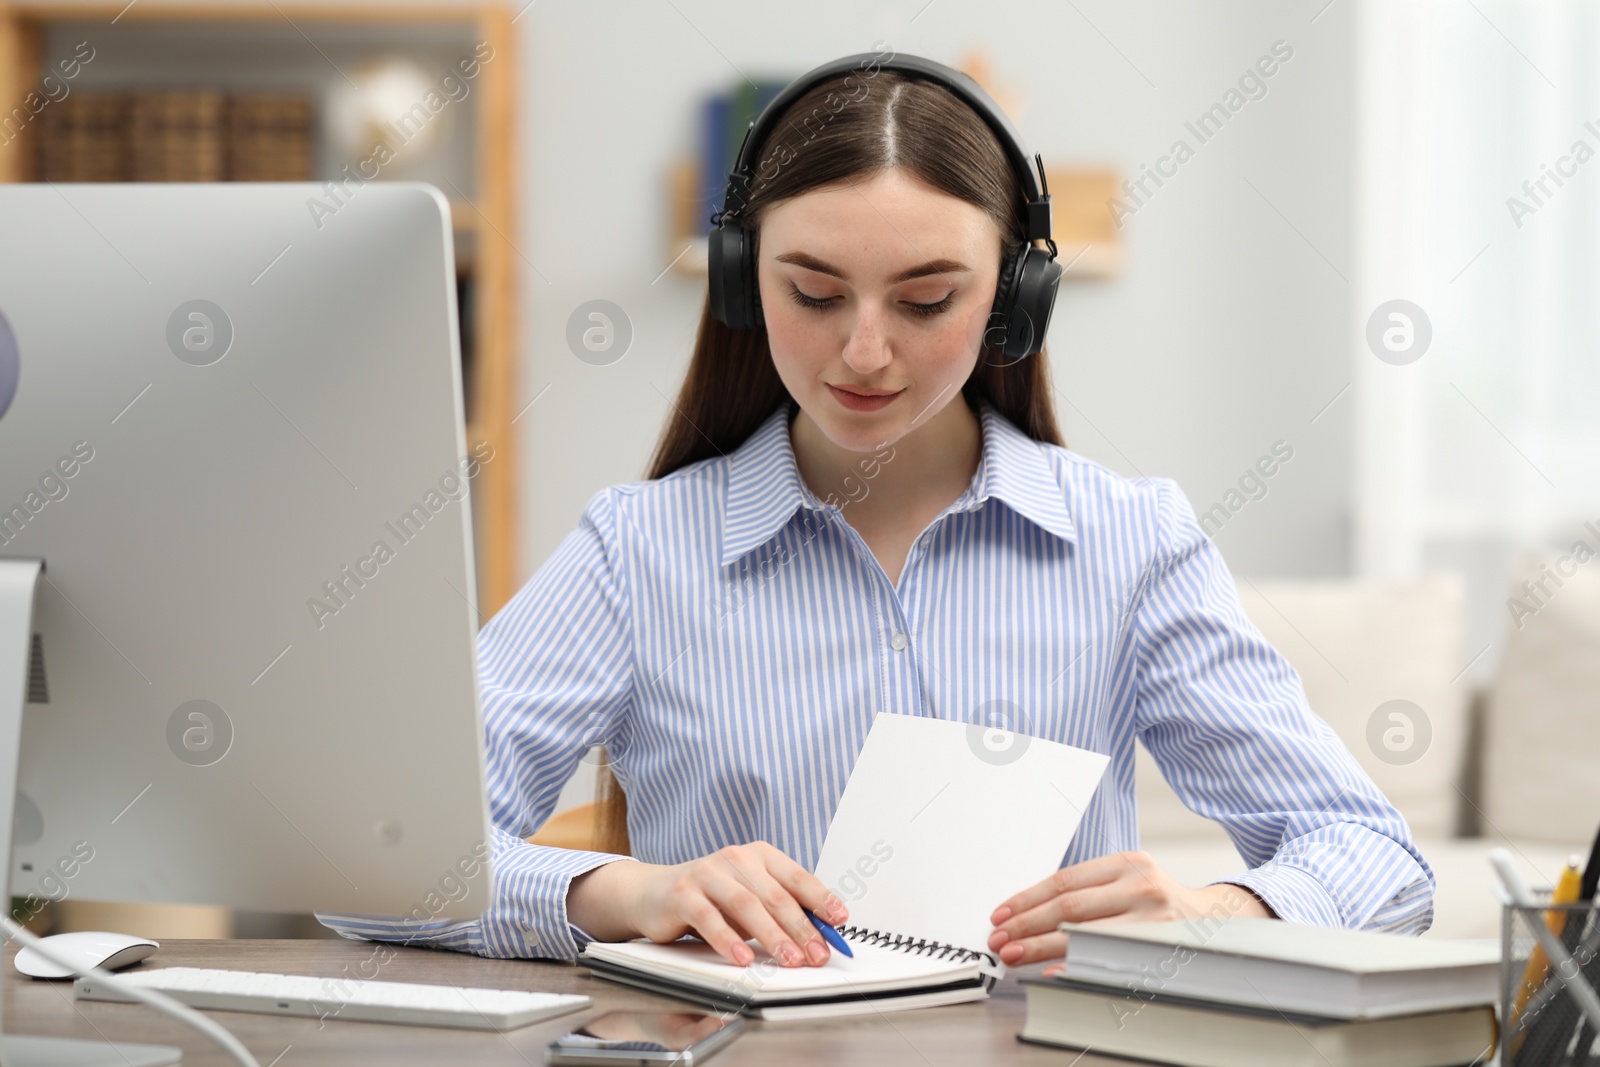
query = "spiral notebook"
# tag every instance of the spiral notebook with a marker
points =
(939, 823)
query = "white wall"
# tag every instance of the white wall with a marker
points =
(1228, 331)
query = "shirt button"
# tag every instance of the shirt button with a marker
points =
(898, 641)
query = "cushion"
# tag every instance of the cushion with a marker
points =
(1541, 763)
(1358, 646)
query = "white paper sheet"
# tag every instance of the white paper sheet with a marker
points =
(941, 821)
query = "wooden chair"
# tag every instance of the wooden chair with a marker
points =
(574, 828)
(598, 827)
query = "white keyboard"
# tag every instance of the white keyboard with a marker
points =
(343, 998)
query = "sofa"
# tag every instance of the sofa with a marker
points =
(1515, 763)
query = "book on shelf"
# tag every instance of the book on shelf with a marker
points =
(269, 137)
(176, 136)
(84, 138)
(724, 119)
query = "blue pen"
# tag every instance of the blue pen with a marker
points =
(829, 934)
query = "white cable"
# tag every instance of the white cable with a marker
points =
(159, 1001)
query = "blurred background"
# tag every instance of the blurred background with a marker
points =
(1353, 233)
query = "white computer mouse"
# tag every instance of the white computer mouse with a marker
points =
(93, 948)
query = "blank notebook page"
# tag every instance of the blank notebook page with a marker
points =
(966, 816)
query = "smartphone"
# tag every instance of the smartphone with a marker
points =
(645, 1038)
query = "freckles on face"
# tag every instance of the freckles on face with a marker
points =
(876, 296)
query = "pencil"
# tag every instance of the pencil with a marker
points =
(1566, 892)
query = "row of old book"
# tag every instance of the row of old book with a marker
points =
(203, 135)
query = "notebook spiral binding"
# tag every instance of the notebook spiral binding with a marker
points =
(919, 945)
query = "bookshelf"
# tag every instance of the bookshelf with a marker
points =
(198, 54)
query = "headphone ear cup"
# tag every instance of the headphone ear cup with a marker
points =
(752, 285)
(1005, 296)
(1038, 281)
(728, 252)
(999, 333)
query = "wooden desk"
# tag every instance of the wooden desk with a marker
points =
(966, 1034)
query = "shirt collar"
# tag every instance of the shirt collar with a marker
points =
(1015, 470)
(765, 488)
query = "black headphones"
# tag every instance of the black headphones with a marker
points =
(1026, 292)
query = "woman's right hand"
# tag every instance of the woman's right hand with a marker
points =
(736, 893)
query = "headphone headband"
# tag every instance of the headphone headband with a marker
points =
(1025, 290)
(1037, 219)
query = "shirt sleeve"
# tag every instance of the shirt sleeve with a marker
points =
(555, 678)
(1226, 718)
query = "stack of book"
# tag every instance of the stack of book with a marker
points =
(201, 135)
(1247, 992)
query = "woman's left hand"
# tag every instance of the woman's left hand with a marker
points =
(1126, 887)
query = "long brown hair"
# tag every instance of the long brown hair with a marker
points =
(732, 384)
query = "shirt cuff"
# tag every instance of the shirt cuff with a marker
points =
(1293, 893)
(526, 918)
(529, 914)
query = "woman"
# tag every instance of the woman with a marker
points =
(857, 508)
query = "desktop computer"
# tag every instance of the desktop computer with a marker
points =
(237, 595)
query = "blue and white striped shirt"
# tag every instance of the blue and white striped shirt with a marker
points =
(729, 637)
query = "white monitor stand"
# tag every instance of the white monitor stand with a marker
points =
(18, 579)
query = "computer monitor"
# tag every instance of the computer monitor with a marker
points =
(231, 429)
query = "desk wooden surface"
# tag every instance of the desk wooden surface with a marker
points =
(965, 1034)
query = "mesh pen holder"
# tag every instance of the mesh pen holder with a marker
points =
(1549, 975)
